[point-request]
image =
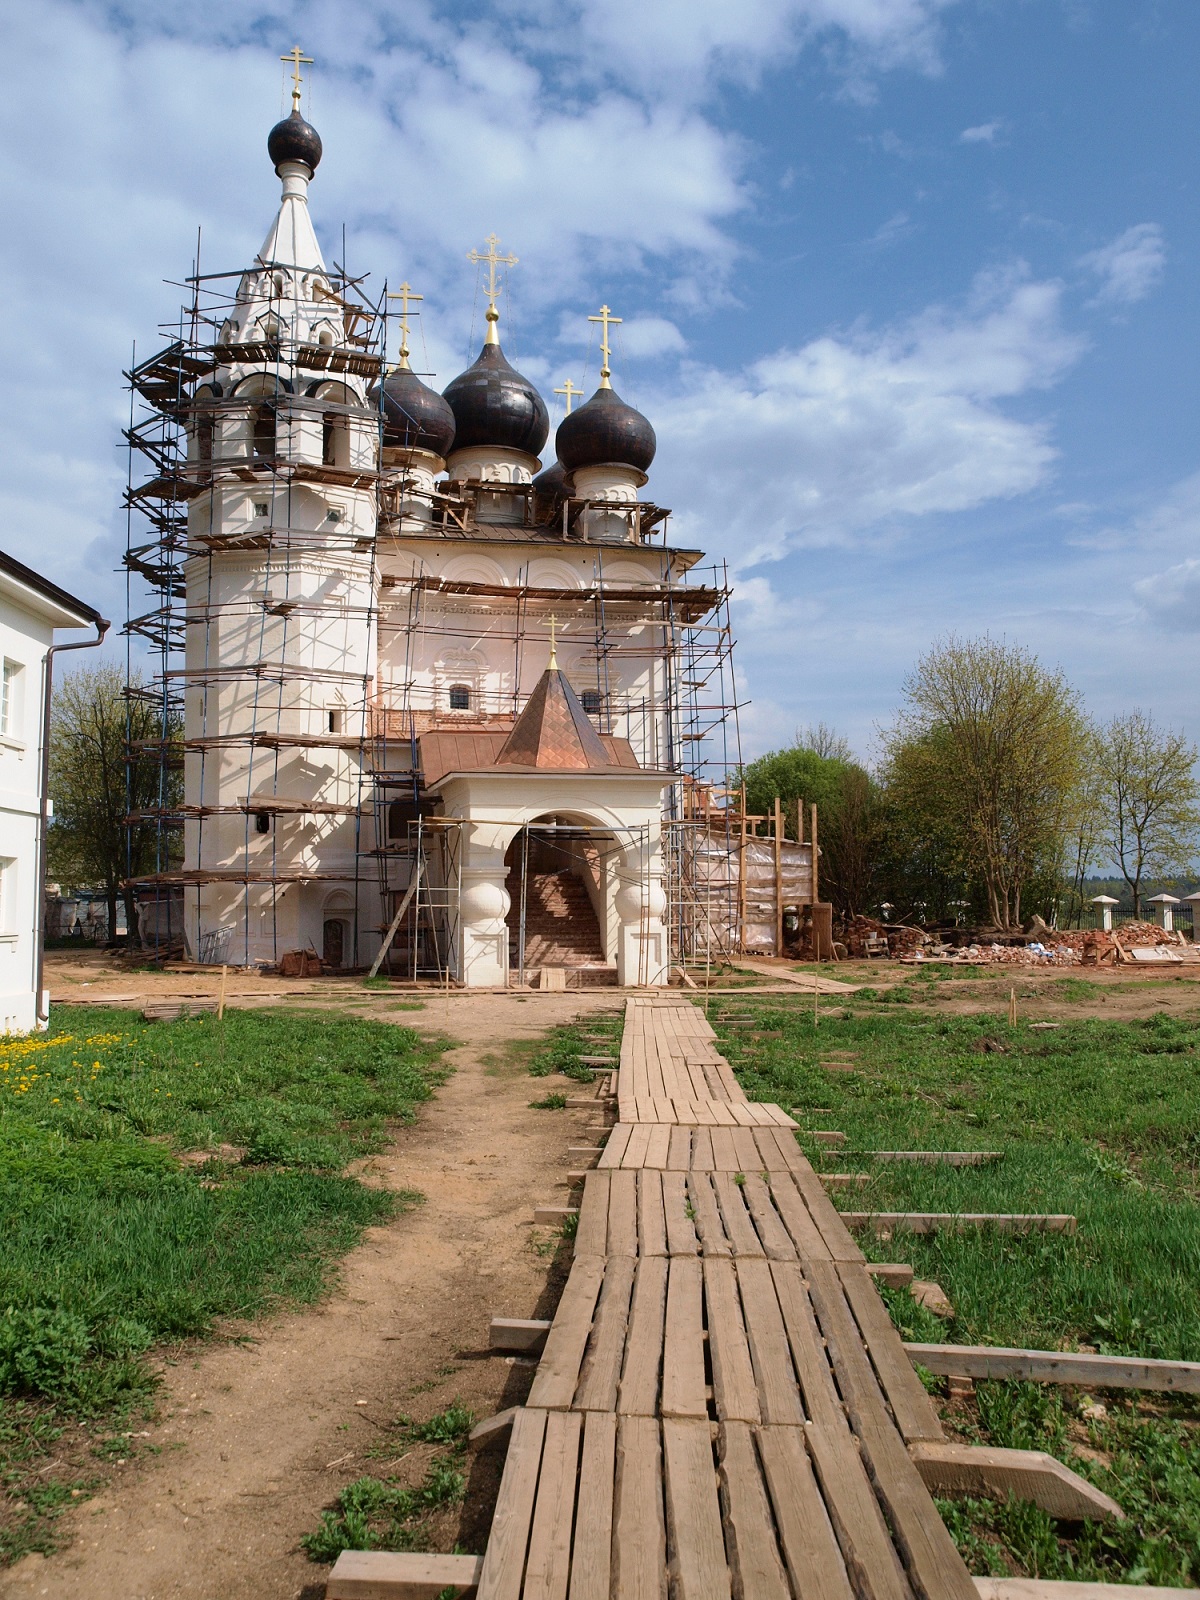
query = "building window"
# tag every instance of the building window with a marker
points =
(591, 701)
(7, 867)
(262, 822)
(334, 718)
(460, 697)
(10, 699)
(262, 508)
(264, 431)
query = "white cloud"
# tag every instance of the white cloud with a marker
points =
(985, 133)
(649, 336)
(1128, 268)
(1172, 598)
(841, 440)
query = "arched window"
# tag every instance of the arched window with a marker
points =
(264, 431)
(333, 432)
(325, 338)
(460, 697)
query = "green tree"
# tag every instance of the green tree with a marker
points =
(92, 721)
(1150, 793)
(985, 765)
(849, 811)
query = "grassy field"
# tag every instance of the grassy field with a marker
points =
(1096, 1117)
(155, 1178)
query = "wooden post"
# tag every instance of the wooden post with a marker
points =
(816, 885)
(740, 939)
(778, 877)
(221, 993)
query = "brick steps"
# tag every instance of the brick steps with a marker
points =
(560, 925)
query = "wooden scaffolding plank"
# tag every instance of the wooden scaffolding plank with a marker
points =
(615, 1147)
(1058, 1366)
(681, 1225)
(697, 1547)
(778, 1393)
(640, 1377)
(824, 1213)
(683, 1389)
(634, 1154)
(724, 1155)
(707, 1216)
(548, 1563)
(810, 1547)
(558, 1370)
(591, 1556)
(801, 1229)
(622, 1213)
(702, 1150)
(778, 1149)
(734, 1391)
(639, 1527)
(862, 1534)
(591, 1231)
(753, 1554)
(601, 1367)
(504, 1561)
(651, 1219)
(776, 1241)
(658, 1146)
(739, 1229)
(820, 1397)
(912, 1408)
(679, 1153)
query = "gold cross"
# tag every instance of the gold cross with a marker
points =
(494, 259)
(553, 667)
(404, 294)
(297, 61)
(605, 319)
(569, 390)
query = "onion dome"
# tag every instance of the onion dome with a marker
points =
(415, 417)
(494, 405)
(293, 139)
(605, 430)
(549, 489)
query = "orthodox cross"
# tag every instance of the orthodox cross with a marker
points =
(606, 319)
(494, 259)
(570, 391)
(297, 60)
(404, 294)
(553, 667)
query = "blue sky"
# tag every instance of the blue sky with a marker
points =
(909, 287)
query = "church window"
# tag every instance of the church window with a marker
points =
(278, 284)
(204, 438)
(591, 701)
(264, 431)
(334, 719)
(335, 450)
(262, 508)
(460, 697)
(262, 822)
(325, 338)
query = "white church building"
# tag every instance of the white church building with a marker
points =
(439, 686)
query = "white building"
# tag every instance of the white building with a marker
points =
(31, 609)
(407, 658)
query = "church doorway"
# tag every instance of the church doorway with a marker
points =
(334, 941)
(557, 887)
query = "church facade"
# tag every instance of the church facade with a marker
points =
(427, 672)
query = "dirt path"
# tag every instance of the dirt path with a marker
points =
(256, 1438)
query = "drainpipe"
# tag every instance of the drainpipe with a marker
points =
(39, 908)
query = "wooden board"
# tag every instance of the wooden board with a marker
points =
(889, 1222)
(394, 1575)
(950, 1468)
(1057, 1366)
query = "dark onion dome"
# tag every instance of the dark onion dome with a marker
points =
(605, 429)
(415, 417)
(549, 490)
(293, 139)
(494, 405)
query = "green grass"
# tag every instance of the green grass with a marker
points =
(1097, 1118)
(110, 1243)
(565, 1045)
(383, 1514)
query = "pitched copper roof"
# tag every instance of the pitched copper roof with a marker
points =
(445, 750)
(553, 731)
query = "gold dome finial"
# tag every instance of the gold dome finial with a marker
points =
(405, 296)
(607, 320)
(494, 259)
(570, 391)
(553, 667)
(297, 60)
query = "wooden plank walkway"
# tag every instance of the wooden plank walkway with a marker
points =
(723, 1408)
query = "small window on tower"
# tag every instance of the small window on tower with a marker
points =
(334, 718)
(460, 697)
(591, 701)
(262, 508)
(262, 822)
(264, 431)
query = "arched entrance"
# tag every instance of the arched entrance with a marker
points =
(560, 880)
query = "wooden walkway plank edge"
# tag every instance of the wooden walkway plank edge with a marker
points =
(1056, 1366)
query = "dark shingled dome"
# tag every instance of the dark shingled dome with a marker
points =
(549, 487)
(603, 430)
(293, 139)
(415, 417)
(494, 405)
